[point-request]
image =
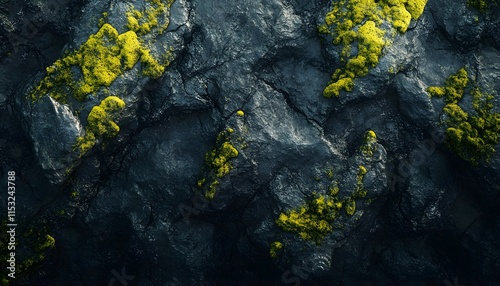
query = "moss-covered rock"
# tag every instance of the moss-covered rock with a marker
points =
(100, 124)
(471, 135)
(99, 61)
(218, 163)
(480, 5)
(357, 25)
(275, 248)
(312, 221)
(315, 219)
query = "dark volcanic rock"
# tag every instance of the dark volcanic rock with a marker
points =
(133, 205)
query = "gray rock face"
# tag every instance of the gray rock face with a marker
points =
(414, 101)
(54, 129)
(133, 205)
(129, 86)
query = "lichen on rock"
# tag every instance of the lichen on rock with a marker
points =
(358, 25)
(471, 135)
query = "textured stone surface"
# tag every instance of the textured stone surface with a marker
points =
(132, 202)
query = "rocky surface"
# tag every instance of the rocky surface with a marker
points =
(131, 206)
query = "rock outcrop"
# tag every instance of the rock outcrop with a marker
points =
(359, 189)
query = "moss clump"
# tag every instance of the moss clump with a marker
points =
(333, 190)
(369, 147)
(200, 182)
(371, 136)
(275, 248)
(42, 244)
(472, 136)
(101, 59)
(100, 124)
(350, 207)
(315, 219)
(212, 189)
(32, 244)
(454, 87)
(49, 243)
(329, 173)
(219, 158)
(218, 163)
(312, 221)
(357, 24)
(480, 5)
(142, 22)
(360, 192)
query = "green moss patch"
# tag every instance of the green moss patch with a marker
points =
(356, 25)
(275, 249)
(472, 136)
(31, 249)
(100, 123)
(105, 56)
(143, 22)
(482, 5)
(312, 221)
(317, 218)
(96, 64)
(219, 159)
(369, 147)
(218, 163)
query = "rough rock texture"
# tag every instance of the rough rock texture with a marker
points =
(131, 206)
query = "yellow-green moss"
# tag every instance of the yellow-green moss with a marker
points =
(49, 242)
(357, 23)
(275, 248)
(482, 5)
(368, 146)
(334, 190)
(31, 248)
(103, 57)
(329, 173)
(219, 159)
(143, 22)
(350, 207)
(42, 244)
(313, 221)
(362, 170)
(218, 162)
(359, 191)
(371, 136)
(472, 136)
(212, 189)
(100, 123)
(200, 182)
(436, 91)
